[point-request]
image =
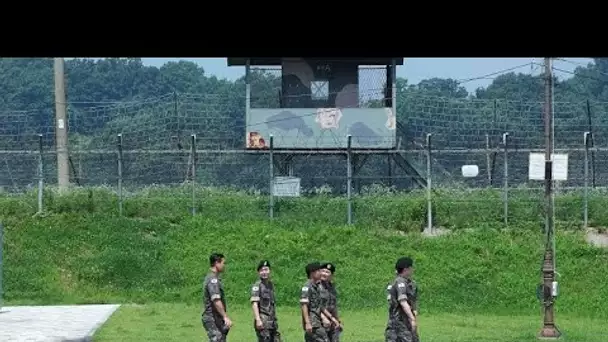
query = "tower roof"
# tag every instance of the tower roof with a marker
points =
(276, 61)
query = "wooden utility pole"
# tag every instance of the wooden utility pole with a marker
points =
(61, 129)
(549, 330)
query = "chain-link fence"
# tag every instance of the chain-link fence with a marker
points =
(199, 140)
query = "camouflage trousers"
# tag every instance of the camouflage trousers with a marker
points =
(334, 334)
(400, 335)
(215, 333)
(268, 335)
(317, 335)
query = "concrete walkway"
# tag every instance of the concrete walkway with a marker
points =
(69, 323)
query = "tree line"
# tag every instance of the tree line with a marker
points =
(217, 106)
(27, 83)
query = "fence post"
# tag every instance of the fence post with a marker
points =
(349, 178)
(271, 173)
(591, 142)
(488, 161)
(119, 145)
(429, 202)
(1, 265)
(193, 153)
(586, 187)
(505, 142)
(40, 173)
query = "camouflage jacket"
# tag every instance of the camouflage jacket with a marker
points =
(262, 292)
(396, 292)
(310, 295)
(212, 290)
(412, 294)
(329, 297)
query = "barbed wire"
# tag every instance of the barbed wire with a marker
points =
(156, 139)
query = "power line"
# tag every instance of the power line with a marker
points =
(580, 75)
(586, 66)
(572, 62)
(570, 87)
(493, 73)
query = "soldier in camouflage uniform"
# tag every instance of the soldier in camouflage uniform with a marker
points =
(214, 316)
(412, 299)
(311, 303)
(263, 305)
(401, 326)
(329, 298)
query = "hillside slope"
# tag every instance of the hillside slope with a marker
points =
(81, 252)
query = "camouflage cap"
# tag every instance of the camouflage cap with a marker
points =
(404, 262)
(312, 267)
(263, 263)
(329, 266)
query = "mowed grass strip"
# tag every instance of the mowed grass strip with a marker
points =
(181, 322)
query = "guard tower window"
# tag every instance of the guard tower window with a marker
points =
(319, 90)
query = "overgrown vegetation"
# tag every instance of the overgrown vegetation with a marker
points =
(80, 251)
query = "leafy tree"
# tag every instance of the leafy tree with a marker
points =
(158, 108)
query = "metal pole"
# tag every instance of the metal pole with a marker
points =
(488, 161)
(119, 145)
(495, 114)
(394, 86)
(429, 203)
(591, 142)
(505, 143)
(193, 152)
(247, 89)
(176, 114)
(586, 187)
(271, 168)
(349, 178)
(40, 174)
(389, 162)
(61, 133)
(549, 329)
(551, 142)
(1, 265)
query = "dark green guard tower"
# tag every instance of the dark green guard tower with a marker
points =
(312, 105)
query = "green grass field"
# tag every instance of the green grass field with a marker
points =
(478, 283)
(179, 322)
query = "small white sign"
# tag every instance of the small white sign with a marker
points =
(60, 124)
(536, 170)
(286, 187)
(560, 167)
(470, 171)
(536, 166)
